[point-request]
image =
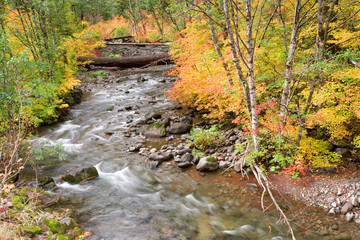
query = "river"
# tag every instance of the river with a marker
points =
(129, 200)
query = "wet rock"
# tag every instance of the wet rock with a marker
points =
(179, 128)
(160, 157)
(346, 208)
(156, 130)
(136, 148)
(185, 164)
(153, 115)
(187, 157)
(69, 178)
(207, 164)
(196, 159)
(86, 174)
(166, 122)
(169, 138)
(45, 180)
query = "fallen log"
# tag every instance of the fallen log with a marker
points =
(126, 62)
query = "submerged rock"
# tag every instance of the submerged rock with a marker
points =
(207, 164)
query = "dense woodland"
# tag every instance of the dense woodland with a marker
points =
(287, 72)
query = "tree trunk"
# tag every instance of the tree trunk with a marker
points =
(126, 62)
(290, 62)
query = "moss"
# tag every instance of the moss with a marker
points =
(12, 213)
(18, 202)
(55, 226)
(212, 168)
(110, 108)
(211, 159)
(32, 230)
(63, 237)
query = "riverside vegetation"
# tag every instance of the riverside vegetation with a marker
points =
(285, 72)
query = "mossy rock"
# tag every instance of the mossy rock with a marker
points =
(18, 202)
(32, 230)
(69, 178)
(156, 129)
(86, 174)
(55, 226)
(211, 159)
(44, 180)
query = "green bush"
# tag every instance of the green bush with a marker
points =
(202, 138)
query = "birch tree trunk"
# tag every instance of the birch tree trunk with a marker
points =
(235, 58)
(290, 62)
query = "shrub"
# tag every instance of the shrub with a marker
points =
(202, 138)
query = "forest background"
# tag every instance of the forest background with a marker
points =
(287, 72)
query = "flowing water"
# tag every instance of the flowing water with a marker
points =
(128, 200)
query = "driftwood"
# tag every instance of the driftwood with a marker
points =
(137, 44)
(124, 38)
(126, 62)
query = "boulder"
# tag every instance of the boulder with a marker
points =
(207, 164)
(180, 128)
(156, 130)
